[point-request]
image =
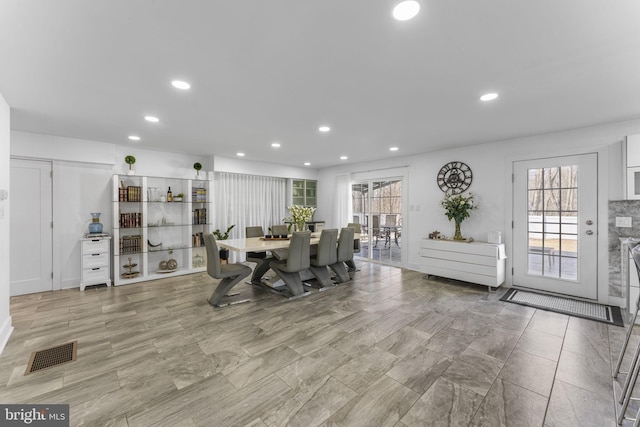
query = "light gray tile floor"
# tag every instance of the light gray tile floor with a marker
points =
(387, 348)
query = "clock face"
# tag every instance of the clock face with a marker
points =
(454, 177)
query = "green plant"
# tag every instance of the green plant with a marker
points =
(180, 195)
(219, 235)
(458, 207)
(197, 166)
(129, 160)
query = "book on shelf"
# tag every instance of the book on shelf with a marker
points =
(199, 195)
(131, 193)
(130, 220)
(130, 244)
(197, 240)
(199, 216)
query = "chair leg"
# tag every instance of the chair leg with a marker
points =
(341, 271)
(351, 265)
(223, 288)
(292, 280)
(261, 268)
(323, 276)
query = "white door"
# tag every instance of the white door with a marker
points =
(555, 225)
(31, 233)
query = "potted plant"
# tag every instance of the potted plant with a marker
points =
(197, 166)
(130, 160)
(458, 207)
(219, 235)
(178, 197)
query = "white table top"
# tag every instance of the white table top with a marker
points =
(257, 244)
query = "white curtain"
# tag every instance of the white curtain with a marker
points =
(248, 200)
(342, 207)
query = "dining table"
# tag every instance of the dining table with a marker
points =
(278, 246)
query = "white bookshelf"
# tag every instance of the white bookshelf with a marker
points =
(156, 233)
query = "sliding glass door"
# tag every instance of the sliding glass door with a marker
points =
(377, 206)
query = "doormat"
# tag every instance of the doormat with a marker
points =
(53, 356)
(587, 310)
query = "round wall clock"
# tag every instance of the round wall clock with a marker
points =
(454, 177)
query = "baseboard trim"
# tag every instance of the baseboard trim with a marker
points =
(5, 333)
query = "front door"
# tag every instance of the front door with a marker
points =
(555, 225)
(30, 228)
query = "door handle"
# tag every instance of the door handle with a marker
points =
(589, 222)
(589, 232)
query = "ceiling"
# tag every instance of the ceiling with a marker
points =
(266, 71)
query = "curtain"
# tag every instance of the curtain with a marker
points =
(342, 209)
(248, 200)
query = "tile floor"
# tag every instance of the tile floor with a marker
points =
(387, 349)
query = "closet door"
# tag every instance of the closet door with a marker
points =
(31, 227)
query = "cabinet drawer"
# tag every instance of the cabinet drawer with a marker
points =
(95, 275)
(95, 260)
(95, 246)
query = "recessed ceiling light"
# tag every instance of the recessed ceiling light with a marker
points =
(393, 149)
(179, 84)
(151, 119)
(307, 164)
(240, 154)
(343, 157)
(489, 96)
(275, 144)
(406, 10)
(134, 138)
(324, 128)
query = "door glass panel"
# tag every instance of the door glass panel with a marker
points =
(378, 205)
(552, 222)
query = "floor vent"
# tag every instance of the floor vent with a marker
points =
(53, 356)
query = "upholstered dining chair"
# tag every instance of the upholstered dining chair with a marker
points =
(279, 230)
(345, 253)
(325, 256)
(297, 260)
(230, 274)
(261, 259)
(351, 265)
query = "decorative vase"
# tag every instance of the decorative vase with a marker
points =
(95, 227)
(458, 233)
(301, 226)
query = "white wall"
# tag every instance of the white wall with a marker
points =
(5, 255)
(82, 174)
(491, 164)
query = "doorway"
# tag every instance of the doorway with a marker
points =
(377, 207)
(31, 227)
(555, 225)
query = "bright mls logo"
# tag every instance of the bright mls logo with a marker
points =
(34, 415)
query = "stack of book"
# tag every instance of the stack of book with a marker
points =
(130, 220)
(130, 244)
(199, 216)
(199, 195)
(130, 194)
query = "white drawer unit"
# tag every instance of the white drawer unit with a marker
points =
(475, 262)
(96, 261)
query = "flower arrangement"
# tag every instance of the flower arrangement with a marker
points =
(458, 207)
(299, 215)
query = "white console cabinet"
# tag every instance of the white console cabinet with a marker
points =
(475, 262)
